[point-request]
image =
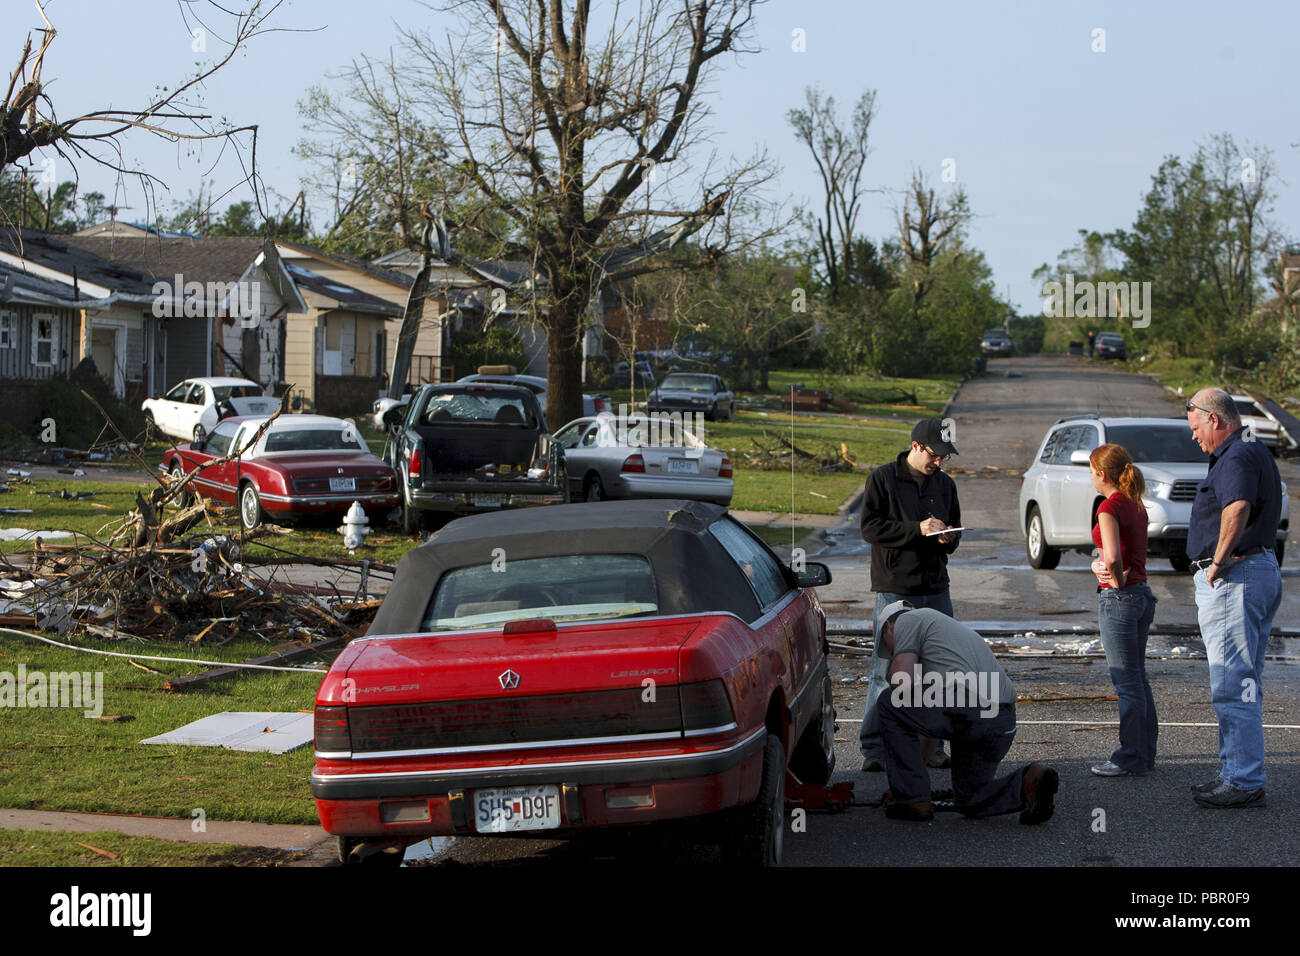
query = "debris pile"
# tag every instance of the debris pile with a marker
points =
(774, 451)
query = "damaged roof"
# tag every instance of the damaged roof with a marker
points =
(19, 282)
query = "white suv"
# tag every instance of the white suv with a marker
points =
(1058, 504)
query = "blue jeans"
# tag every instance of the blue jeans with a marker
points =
(1236, 616)
(869, 741)
(1124, 616)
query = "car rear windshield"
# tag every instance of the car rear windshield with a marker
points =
(1158, 443)
(222, 392)
(688, 383)
(485, 407)
(574, 587)
(657, 430)
(314, 439)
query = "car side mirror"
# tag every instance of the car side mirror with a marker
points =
(1080, 457)
(814, 575)
(394, 416)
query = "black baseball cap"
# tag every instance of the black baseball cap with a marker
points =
(932, 432)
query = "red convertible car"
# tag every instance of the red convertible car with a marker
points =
(576, 666)
(301, 465)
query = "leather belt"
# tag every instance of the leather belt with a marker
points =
(1206, 562)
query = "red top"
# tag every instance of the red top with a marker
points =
(1132, 536)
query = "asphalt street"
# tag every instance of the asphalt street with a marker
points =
(1065, 715)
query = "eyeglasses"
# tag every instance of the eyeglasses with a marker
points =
(937, 457)
(1190, 405)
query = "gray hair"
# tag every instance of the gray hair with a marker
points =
(1219, 402)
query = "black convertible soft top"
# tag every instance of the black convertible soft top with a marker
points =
(693, 573)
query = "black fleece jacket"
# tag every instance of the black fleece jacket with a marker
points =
(903, 560)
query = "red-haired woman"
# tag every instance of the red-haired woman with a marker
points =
(1125, 606)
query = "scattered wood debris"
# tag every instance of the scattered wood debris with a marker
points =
(161, 572)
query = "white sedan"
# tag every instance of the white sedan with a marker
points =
(192, 409)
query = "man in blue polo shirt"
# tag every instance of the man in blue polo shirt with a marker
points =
(1230, 540)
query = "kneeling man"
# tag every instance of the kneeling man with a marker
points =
(945, 683)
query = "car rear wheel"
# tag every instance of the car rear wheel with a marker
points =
(250, 507)
(185, 499)
(813, 760)
(1041, 556)
(1280, 550)
(1180, 563)
(594, 489)
(758, 830)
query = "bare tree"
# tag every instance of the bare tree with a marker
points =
(573, 129)
(840, 154)
(30, 122)
(925, 223)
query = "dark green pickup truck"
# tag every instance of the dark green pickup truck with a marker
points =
(467, 448)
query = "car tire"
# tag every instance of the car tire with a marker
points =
(199, 433)
(593, 489)
(412, 518)
(150, 427)
(250, 506)
(1180, 563)
(712, 414)
(1042, 557)
(186, 497)
(1280, 550)
(757, 830)
(813, 760)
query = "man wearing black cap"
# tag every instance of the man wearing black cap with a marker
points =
(909, 504)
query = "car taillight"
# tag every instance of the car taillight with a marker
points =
(724, 470)
(634, 463)
(705, 706)
(601, 404)
(417, 459)
(333, 735)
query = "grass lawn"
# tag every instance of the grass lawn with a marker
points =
(42, 848)
(869, 394)
(1189, 374)
(784, 536)
(59, 759)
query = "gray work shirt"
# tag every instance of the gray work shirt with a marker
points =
(950, 647)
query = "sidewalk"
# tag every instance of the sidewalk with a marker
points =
(318, 843)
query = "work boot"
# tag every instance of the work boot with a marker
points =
(1038, 787)
(918, 812)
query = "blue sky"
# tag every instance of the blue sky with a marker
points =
(1048, 136)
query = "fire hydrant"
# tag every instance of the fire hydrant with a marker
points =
(355, 527)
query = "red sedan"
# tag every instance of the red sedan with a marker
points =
(301, 465)
(575, 666)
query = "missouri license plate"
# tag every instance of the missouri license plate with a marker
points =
(683, 466)
(343, 484)
(507, 809)
(488, 501)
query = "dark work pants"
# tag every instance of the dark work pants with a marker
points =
(978, 746)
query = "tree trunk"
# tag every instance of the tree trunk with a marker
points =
(563, 371)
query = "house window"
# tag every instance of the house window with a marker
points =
(45, 339)
(8, 330)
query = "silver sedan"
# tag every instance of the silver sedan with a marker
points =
(642, 457)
